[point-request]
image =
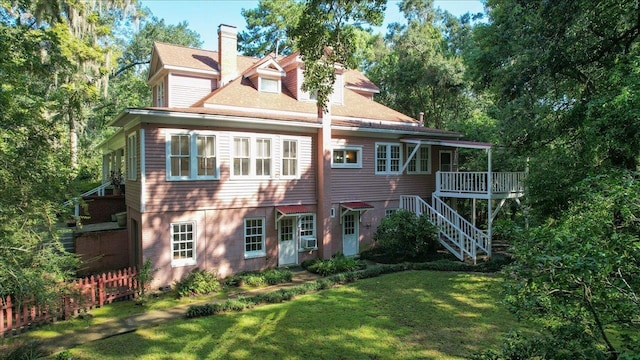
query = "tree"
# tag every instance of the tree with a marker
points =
(422, 70)
(83, 30)
(564, 79)
(34, 171)
(267, 27)
(326, 36)
(579, 276)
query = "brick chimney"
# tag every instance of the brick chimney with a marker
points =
(227, 53)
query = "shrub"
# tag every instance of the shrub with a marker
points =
(404, 235)
(261, 278)
(337, 264)
(198, 282)
(24, 351)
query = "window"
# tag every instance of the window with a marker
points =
(389, 212)
(290, 158)
(347, 157)
(263, 157)
(269, 85)
(191, 156)
(308, 238)
(446, 161)
(183, 244)
(252, 156)
(241, 156)
(254, 237)
(420, 163)
(132, 156)
(206, 146)
(160, 94)
(388, 158)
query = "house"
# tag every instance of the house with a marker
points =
(233, 167)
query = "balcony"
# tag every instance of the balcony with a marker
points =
(478, 185)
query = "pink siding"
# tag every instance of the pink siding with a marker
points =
(186, 90)
(227, 192)
(132, 187)
(219, 242)
(363, 184)
(290, 82)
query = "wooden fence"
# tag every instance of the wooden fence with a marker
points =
(85, 294)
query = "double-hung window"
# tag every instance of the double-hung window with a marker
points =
(183, 243)
(289, 158)
(254, 235)
(251, 156)
(263, 157)
(191, 156)
(388, 158)
(132, 156)
(347, 157)
(420, 163)
(241, 156)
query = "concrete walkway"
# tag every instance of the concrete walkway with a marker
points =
(68, 340)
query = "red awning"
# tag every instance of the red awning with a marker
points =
(356, 205)
(293, 209)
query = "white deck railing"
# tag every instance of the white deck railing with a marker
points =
(502, 183)
(463, 238)
(76, 201)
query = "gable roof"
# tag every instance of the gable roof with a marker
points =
(177, 56)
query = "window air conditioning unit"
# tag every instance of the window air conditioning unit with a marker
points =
(309, 243)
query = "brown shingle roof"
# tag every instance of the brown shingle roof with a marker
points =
(183, 56)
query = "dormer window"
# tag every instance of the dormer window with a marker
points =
(269, 85)
(267, 76)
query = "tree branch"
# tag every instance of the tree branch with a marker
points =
(127, 67)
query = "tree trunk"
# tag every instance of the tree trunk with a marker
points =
(73, 140)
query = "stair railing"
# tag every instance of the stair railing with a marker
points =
(463, 238)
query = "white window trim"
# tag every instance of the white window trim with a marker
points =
(257, 253)
(193, 155)
(387, 170)
(184, 262)
(277, 80)
(132, 156)
(390, 211)
(357, 165)
(417, 158)
(253, 138)
(298, 142)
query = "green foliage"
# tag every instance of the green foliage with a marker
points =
(145, 276)
(406, 236)
(198, 282)
(34, 171)
(326, 34)
(337, 264)
(24, 351)
(580, 274)
(261, 278)
(267, 26)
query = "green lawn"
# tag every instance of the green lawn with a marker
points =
(409, 315)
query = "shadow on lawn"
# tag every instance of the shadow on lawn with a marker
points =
(414, 314)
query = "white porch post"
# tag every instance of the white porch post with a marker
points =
(489, 201)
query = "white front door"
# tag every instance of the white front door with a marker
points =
(287, 242)
(350, 234)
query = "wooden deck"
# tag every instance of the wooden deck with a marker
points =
(478, 185)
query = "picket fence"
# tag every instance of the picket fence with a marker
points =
(87, 293)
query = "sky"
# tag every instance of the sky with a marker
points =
(204, 16)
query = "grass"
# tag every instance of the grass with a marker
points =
(408, 315)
